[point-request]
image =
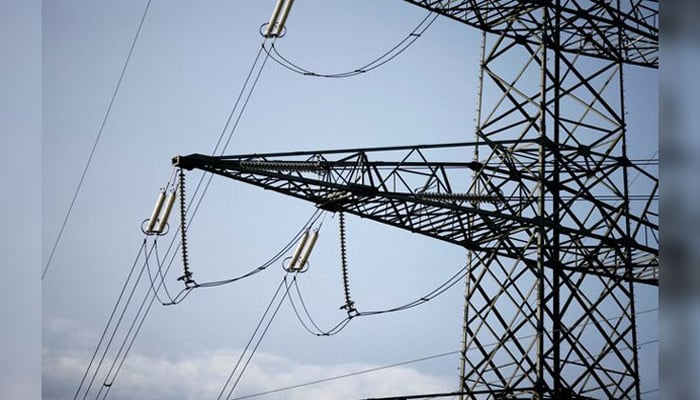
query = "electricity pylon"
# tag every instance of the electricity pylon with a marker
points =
(557, 238)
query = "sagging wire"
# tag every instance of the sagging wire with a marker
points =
(156, 226)
(276, 257)
(442, 288)
(318, 332)
(317, 214)
(179, 297)
(131, 341)
(349, 305)
(152, 280)
(389, 55)
(439, 290)
(107, 382)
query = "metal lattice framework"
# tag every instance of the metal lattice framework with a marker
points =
(623, 30)
(559, 223)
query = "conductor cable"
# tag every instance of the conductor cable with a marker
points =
(97, 140)
(250, 341)
(318, 332)
(389, 55)
(109, 321)
(111, 337)
(151, 293)
(152, 279)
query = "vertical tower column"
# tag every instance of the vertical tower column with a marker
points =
(551, 329)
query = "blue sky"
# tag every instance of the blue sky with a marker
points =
(186, 70)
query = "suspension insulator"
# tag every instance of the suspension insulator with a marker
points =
(278, 18)
(283, 18)
(307, 251)
(187, 275)
(156, 212)
(349, 305)
(166, 213)
(273, 19)
(297, 252)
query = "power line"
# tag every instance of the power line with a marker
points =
(211, 284)
(319, 332)
(314, 217)
(151, 279)
(442, 288)
(131, 343)
(257, 344)
(191, 217)
(389, 55)
(348, 375)
(110, 319)
(175, 236)
(122, 346)
(97, 140)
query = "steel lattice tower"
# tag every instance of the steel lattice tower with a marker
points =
(556, 238)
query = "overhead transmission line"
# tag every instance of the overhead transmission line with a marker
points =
(222, 282)
(211, 284)
(109, 321)
(148, 302)
(348, 375)
(149, 297)
(244, 94)
(97, 140)
(257, 343)
(442, 288)
(220, 147)
(387, 56)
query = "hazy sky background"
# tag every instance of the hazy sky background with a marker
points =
(185, 72)
(20, 195)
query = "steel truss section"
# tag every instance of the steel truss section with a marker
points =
(620, 30)
(408, 190)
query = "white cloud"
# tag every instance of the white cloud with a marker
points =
(202, 376)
